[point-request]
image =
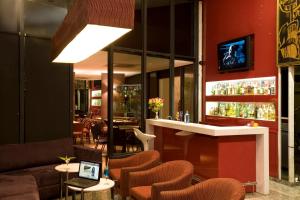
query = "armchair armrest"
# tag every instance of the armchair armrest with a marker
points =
(87, 154)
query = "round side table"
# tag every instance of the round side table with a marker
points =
(64, 168)
(104, 184)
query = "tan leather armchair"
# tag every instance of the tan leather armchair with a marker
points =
(172, 175)
(120, 168)
(211, 189)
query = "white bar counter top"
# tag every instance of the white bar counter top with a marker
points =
(207, 129)
(262, 142)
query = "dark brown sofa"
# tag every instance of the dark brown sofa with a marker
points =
(38, 160)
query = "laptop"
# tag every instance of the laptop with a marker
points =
(88, 175)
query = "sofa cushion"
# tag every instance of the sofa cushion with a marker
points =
(20, 156)
(47, 179)
(14, 187)
(27, 196)
(44, 175)
(141, 192)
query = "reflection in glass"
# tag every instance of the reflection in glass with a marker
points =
(177, 90)
(164, 88)
(130, 94)
(189, 90)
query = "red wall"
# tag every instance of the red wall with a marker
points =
(229, 19)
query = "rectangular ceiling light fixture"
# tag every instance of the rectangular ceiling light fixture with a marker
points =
(89, 26)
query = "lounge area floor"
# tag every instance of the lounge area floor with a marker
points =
(278, 191)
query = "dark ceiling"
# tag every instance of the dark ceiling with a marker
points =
(42, 17)
(151, 3)
(58, 3)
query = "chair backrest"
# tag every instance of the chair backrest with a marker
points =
(177, 172)
(174, 169)
(97, 129)
(87, 123)
(142, 136)
(145, 157)
(77, 127)
(211, 189)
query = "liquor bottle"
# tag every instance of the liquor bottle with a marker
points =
(106, 170)
(237, 110)
(255, 88)
(272, 88)
(259, 112)
(181, 116)
(234, 90)
(271, 112)
(187, 117)
(243, 89)
(213, 90)
(238, 89)
(265, 112)
(177, 116)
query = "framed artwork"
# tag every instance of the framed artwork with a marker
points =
(288, 32)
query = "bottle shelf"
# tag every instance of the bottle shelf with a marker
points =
(247, 110)
(263, 86)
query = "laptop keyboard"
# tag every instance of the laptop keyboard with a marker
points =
(82, 183)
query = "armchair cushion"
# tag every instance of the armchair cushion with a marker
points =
(18, 187)
(141, 161)
(142, 192)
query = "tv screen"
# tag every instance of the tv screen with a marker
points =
(236, 54)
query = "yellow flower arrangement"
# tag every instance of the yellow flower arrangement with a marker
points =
(155, 104)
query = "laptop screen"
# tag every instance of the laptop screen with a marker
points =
(89, 170)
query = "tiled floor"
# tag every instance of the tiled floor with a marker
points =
(278, 191)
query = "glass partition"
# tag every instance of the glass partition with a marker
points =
(158, 83)
(126, 102)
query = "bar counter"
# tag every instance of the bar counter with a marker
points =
(240, 152)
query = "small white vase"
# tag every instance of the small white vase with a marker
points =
(156, 115)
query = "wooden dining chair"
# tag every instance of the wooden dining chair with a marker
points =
(77, 132)
(99, 132)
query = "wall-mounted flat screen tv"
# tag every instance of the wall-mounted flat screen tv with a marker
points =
(236, 54)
